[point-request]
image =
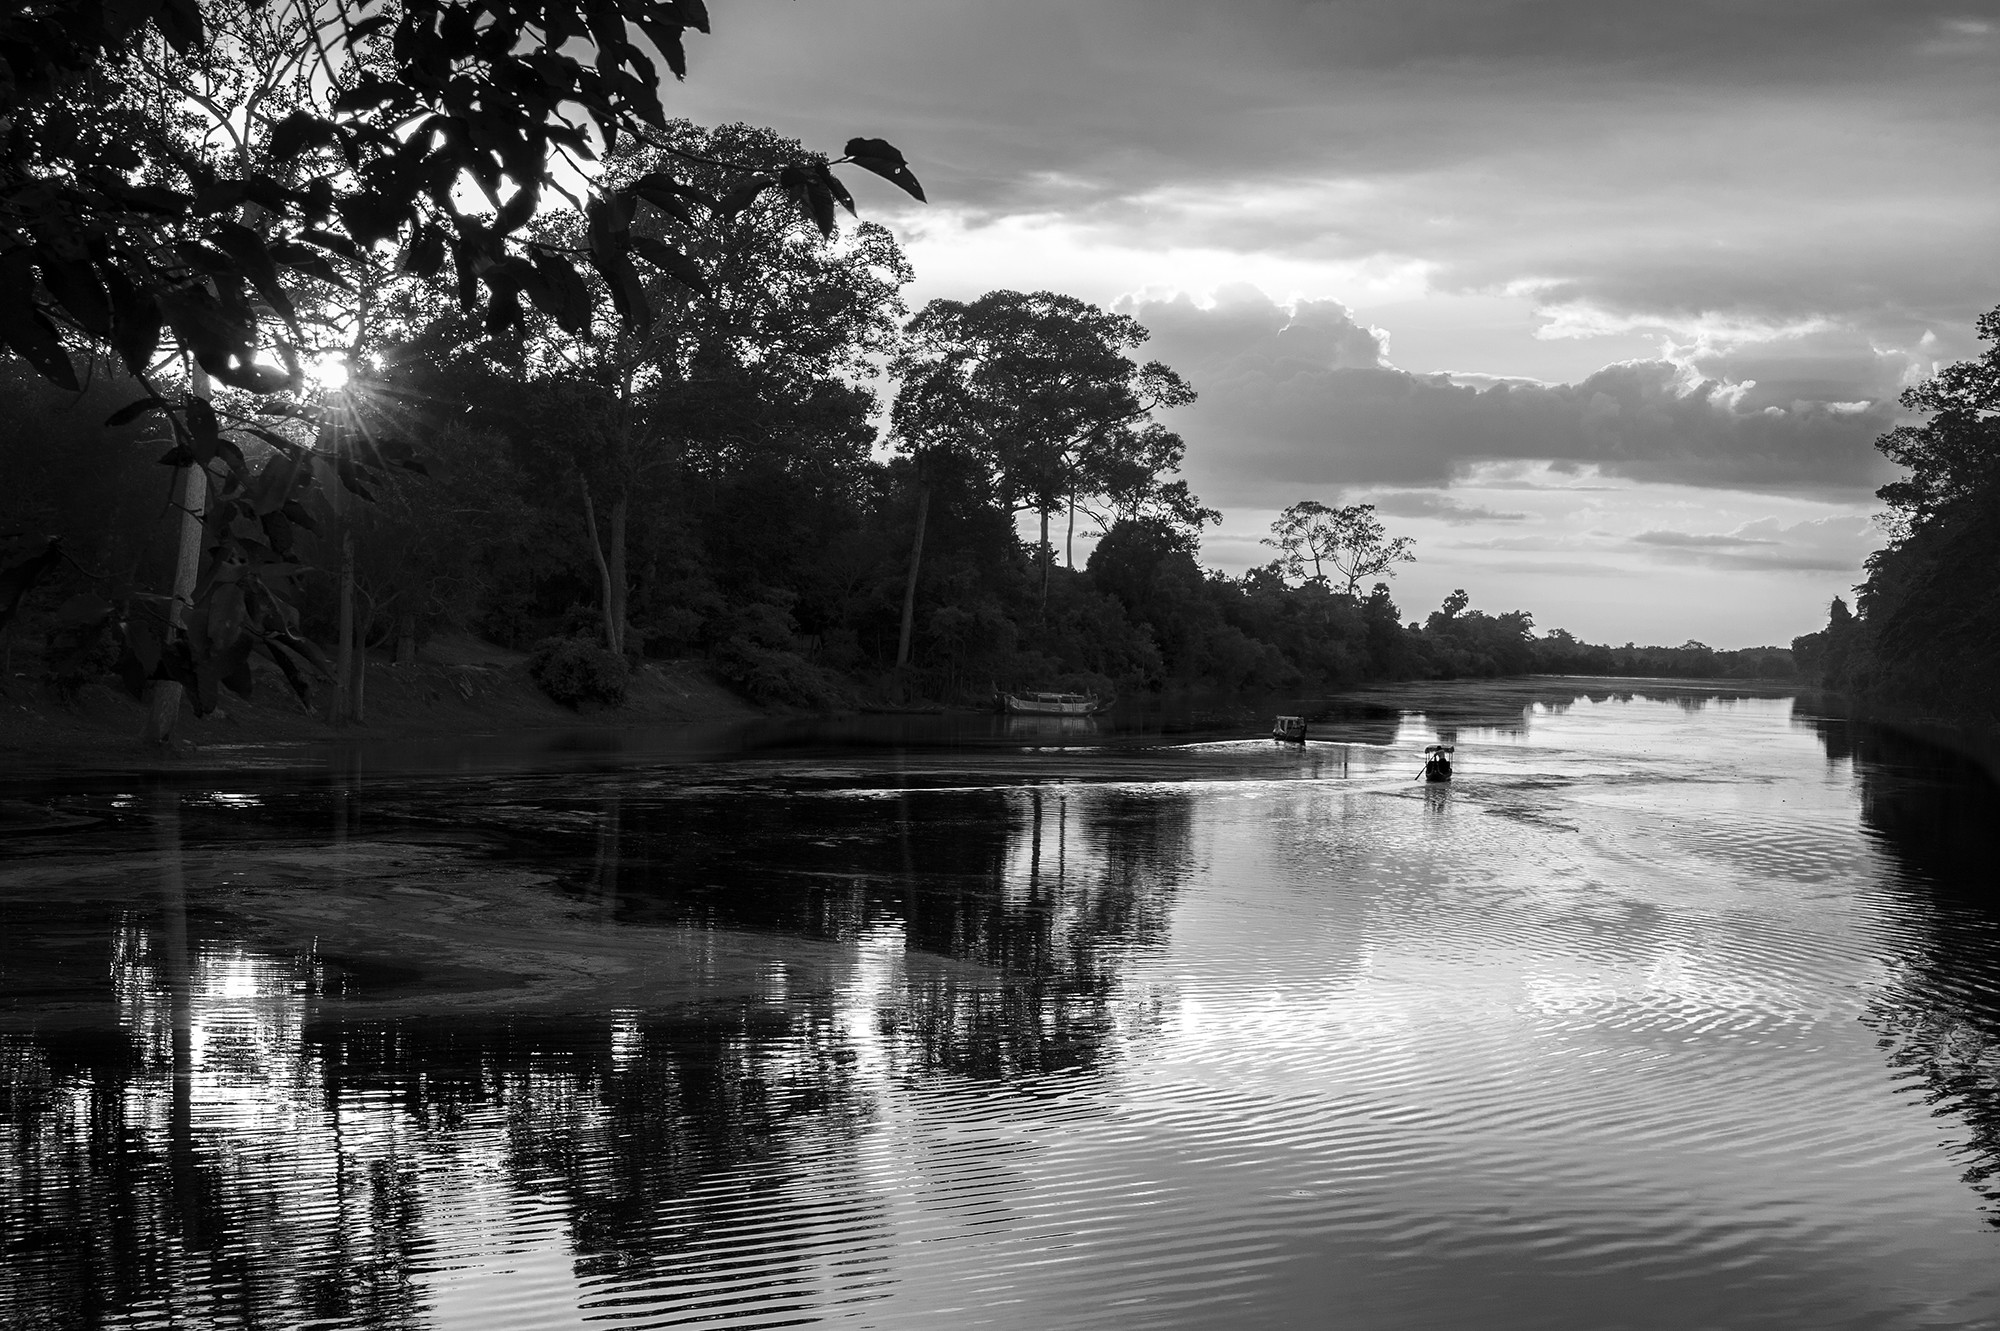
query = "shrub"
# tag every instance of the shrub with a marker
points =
(577, 672)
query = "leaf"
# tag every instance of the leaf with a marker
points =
(311, 262)
(743, 194)
(27, 329)
(520, 206)
(628, 294)
(132, 411)
(666, 38)
(568, 295)
(216, 198)
(296, 133)
(882, 158)
(76, 289)
(833, 185)
(424, 255)
(225, 614)
(693, 13)
(143, 641)
(670, 260)
(609, 219)
(179, 21)
(669, 195)
(328, 240)
(245, 246)
(17, 579)
(135, 321)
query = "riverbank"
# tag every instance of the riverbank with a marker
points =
(457, 687)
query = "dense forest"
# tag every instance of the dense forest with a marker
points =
(280, 391)
(1925, 630)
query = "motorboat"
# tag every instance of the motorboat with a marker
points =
(1289, 729)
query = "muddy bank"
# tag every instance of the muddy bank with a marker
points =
(458, 688)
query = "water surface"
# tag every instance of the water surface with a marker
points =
(1674, 1009)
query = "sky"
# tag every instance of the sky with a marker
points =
(1603, 302)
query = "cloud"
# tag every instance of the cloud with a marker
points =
(1690, 541)
(1820, 545)
(1424, 504)
(1750, 166)
(1301, 399)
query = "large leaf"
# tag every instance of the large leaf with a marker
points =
(18, 578)
(26, 329)
(881, 157)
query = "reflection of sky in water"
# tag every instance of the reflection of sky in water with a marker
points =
(1586, 1039)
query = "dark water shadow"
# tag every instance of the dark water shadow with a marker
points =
(1936, 814)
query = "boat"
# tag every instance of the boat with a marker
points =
(1051, 704)
(1437, 761)
(1290, 729)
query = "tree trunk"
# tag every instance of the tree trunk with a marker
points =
(611, 596)
(341, 710)
(620, 589)
(1069, 541)
(910, 585)
(163, 697)
(1046, 552)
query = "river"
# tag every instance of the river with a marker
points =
(1679, 1007)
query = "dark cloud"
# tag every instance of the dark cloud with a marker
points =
(1314, 409)
(1785, 158)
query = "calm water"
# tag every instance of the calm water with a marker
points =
(1674, 1010)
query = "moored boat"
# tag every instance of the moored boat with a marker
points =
(1290, 729)
(1051, 704)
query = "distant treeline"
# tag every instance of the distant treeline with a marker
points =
(1927, 632)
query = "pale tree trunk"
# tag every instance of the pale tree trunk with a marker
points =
(163, 696)
(620, 589)
(910, 586)
(358, 706)
(610, 573)
(341, 710)
(1046, 552)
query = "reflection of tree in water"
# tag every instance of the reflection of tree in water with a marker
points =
(225, 1157)
(309, 1171)
(1051, 886)
(1083, 877)
(1939, 1020)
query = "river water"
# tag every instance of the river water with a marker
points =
(1677, 1008)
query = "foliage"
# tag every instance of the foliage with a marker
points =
(1349, 540)
(180, 180)
(1927, 634)
(579, 673)
(1038, 390)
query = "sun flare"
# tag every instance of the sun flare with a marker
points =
(330, 373)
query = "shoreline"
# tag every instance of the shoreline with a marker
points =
(456, 691)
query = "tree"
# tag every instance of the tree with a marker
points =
(1039, 387)
(116, 239)
(769, 327)
(1956, 453)
(1348, 540)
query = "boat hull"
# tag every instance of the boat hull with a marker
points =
(1032, 705)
